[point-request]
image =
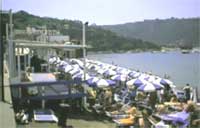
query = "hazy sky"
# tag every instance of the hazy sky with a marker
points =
(107, 11)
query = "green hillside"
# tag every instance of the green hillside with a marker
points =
(97, 37)
(162, 32)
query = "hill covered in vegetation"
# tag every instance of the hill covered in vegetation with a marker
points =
(166, 32)
(99, 38)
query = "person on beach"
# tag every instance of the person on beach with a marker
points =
(187, 90)
(173, 98)
(107, 98)
(134, 117)
(152, 99)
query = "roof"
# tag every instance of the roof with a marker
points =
(53, 90)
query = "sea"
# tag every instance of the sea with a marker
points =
(181, 68)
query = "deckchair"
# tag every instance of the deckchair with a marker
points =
(181, 119)
(156, 124)
(117, 116)
(124, 122)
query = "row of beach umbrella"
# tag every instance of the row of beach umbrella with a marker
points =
(142, 81)
(75, 68)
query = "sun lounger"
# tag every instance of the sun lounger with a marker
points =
(44, 115)
(124, 122)
(152, 120)
(161, 124)
(156, 124)
(117, 116)
(117, 98)
(98, 108)
(180, 118)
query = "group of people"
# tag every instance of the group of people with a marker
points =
(126, 106)
(128, 100)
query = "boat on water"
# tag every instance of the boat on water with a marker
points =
(185, 51)
(196, 50)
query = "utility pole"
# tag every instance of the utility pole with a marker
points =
(84, 61)
(1, 65)
(11, 52)
(11, 49)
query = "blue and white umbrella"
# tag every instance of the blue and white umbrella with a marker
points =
(123, 70)
(101, 71)
(80, 76)
(93, 67)
(76, 66)
(87, 64)
(63, 63)
(149, 87)
(68, 68)
(62, 67)
(136, 82)
(134, 74)
(144, 76)
(57, 60)
(109, 72)
(121, 78)
(113, 67)
(74, 71)
(52, 60)
(76, 61)
(104, 83)
(91, 81)
(166, 82)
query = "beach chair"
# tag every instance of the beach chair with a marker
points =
(178, 119)
(155, 124)
(125, 123)
(117, 116)
(97, 108)
(44, 115)
(117, 98)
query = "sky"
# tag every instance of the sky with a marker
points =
(107, 12)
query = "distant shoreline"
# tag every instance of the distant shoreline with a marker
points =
(163, 50)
